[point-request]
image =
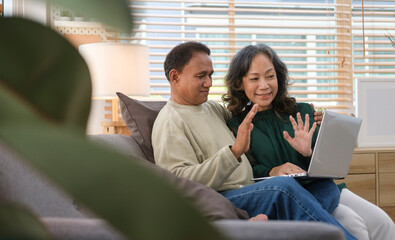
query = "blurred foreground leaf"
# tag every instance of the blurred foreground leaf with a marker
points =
(18, 223)
(44, 100)
(135, 200)
(45, 72)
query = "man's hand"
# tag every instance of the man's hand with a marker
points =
(285, 169)
(317, 115)
(302, 139)
(242, 143)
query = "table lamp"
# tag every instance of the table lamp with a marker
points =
(116, 67)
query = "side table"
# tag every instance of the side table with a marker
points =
(115, 127)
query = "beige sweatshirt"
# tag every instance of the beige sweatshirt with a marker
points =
(194, 142)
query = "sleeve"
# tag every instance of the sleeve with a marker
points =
(177, 151)
(260, 170)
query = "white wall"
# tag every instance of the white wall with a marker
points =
(376, 107)
(35, 10)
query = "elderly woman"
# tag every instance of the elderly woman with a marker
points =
(257, 76)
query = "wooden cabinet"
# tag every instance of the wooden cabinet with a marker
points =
(361, 177)
(363, 163)
(386, 177)
(372, 176)
(364, 185)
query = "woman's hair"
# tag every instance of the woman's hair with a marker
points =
(237, 100)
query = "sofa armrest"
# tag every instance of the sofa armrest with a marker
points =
(88, 228)
(80, 228)
(278, 230)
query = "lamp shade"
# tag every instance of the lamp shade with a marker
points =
(117, 67)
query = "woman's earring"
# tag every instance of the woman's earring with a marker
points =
(249, 103)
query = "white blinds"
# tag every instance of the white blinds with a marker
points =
(314, 38)
(373, 39)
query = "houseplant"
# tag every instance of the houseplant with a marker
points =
(45, 94)
(65, 15)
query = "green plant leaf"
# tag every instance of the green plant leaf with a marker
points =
(44, 98)
(45, 71)
(139, 203)
(17, 222)
(112, 12)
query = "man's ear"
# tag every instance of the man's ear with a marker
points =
(174, 77)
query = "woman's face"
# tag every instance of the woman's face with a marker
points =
(260, 82)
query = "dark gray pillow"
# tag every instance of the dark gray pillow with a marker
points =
(139, 117)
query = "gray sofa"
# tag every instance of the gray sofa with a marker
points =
(65, 219)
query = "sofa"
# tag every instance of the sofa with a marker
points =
(67, 219)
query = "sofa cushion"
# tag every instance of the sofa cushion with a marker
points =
(123, 144)
(22, 184)
(139, 117)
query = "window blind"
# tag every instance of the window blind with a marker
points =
(374, 39)
(314, 39)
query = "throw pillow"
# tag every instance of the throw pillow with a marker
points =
(139, 117)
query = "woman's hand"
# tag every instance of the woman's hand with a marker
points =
(302, 139)
(285, 169)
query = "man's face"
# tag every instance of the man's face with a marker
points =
(192, 85)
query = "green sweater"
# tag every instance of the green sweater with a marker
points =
(268, 146)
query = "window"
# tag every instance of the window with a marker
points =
(373, 39)
(325, 43)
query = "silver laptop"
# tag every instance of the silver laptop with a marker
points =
(334, 147)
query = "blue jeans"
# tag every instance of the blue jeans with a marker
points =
(281, 198)
(326, 192)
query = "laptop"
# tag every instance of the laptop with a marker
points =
(334, 147)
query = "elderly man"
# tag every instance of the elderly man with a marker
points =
(190, 138)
